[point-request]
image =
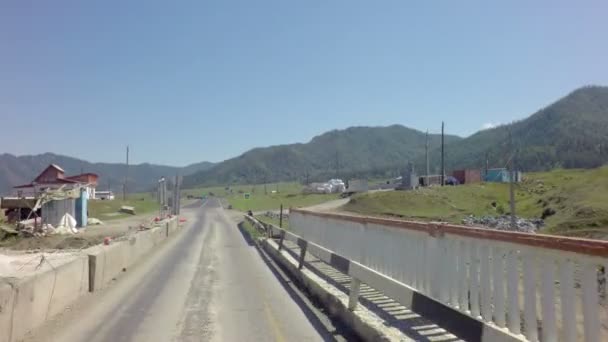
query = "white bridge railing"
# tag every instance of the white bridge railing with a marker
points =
(547, 288)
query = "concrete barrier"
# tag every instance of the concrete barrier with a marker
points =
(26, 303)
(44, 294)
(7, 297)
(107, 262)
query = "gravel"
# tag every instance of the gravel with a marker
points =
(504, 223)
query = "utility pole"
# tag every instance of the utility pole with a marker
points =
(487, 162)
(427, 158)
(161, 196)
(512, 181)
(176, 195)
(265, 190)
(124, 186)
(442, 156)
(337, 165)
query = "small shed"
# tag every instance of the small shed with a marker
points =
(81, 207)
(409, 179)
(53, 211)
(501, 176)
(467, 176)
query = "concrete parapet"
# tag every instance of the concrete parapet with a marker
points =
(42, 295)
(26, 303)
(7, 298)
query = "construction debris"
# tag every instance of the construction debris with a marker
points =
(504, 223)
(7, 231)
(91, 221)
(276, 215)
(127, 210)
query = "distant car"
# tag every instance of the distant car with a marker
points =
(451, 181)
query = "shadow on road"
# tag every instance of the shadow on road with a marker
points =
(330, 331)
(394, 314)
(246, 235)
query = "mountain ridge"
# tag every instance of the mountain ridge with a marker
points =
(568, 133)
(349, 152)
(571, 132)
(16, 170)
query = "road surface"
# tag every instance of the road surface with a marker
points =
(207, 284)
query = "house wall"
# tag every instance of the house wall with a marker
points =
(467, 176)
(53, 211)
(49, 175)
(497, 175)
(85, 178)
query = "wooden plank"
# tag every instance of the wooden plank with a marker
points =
(568, 301)
(529, 265)
(513, 291)
(590, 303)
(549, 331)
(498, 288)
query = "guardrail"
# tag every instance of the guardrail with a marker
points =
(469, 327)
(259, 226)
(539, 285)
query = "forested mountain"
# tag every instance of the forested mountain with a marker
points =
(16, 170)
(570, 133)
(379, 151)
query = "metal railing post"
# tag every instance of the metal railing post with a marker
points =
(303, 247)
(353, 297)
(281, 239)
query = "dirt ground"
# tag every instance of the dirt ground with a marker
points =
(86, 237)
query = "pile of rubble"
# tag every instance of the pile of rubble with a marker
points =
(276, 215)
(35, 228)
(504, 223)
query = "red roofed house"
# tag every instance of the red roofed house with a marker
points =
(53, 177)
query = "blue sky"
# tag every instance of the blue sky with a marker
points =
(187, 81)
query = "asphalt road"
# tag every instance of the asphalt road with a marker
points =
(207, 284)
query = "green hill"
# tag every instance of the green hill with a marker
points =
(570, 133)
(577, 199)
(375, 151)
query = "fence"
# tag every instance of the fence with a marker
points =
(464, 326)
(544, 287)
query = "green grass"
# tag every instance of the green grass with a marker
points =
(579, 197)
(248, 226)
(274, 221)
(143, 203)
(289, 194)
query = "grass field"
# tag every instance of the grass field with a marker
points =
(260, 199)
(274, 221)
(108, 210)
(578, 197)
